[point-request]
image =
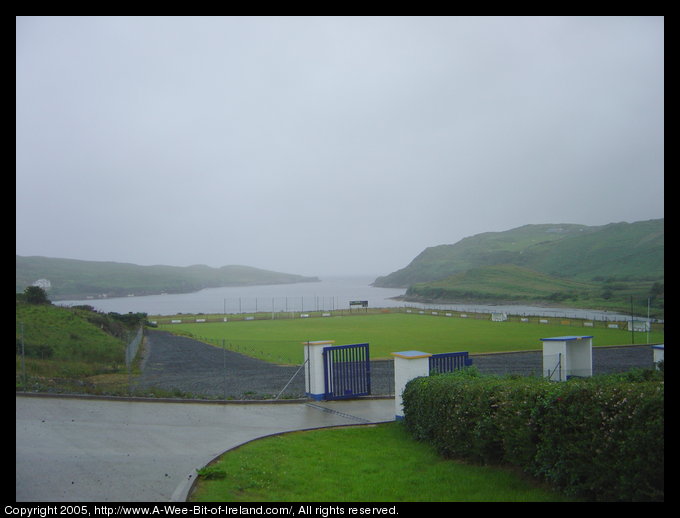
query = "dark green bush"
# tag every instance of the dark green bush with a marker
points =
(600, 438)
(41, 351)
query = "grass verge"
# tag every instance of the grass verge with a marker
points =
(375, 463)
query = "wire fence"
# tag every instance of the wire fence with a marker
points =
(235, 305)
(231, 307)
(133, 347)
(589, 321)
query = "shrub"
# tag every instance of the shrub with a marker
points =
(35, 295)
(600, 438)
(41, 351)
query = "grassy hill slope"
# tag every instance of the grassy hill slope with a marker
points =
(70, 334)
(503, 282)
(71, 349)
(75, 279)
(489, 248)
(574, 265)
(624, 251)
(630, 251)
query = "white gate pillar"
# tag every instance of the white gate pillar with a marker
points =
(407, 365)
(315, 387)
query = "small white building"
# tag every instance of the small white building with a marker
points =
(658, 354)
(567, 356)
(43, 283)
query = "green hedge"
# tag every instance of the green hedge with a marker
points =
(599, 438)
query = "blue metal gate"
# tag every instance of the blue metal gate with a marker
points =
(347, 371)
(449, 362)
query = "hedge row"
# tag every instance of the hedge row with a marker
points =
(600, 438)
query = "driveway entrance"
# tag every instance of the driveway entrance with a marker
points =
(88, 450)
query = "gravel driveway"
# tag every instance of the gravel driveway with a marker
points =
(178, 364)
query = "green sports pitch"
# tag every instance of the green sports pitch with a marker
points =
(280, 341)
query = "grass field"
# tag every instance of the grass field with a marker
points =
(356, 464)
(280, 341)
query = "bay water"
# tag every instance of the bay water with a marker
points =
(329, 294)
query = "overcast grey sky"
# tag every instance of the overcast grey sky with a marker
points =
(328, 145)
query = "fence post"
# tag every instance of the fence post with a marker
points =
(314, 373)
(407, 365)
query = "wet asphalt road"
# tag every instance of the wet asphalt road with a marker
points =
(94, 450)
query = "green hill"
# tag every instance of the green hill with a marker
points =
(72, 350)
(75, 279)
(501, 283)
(624, 251)
(61, 333)
(574, 265)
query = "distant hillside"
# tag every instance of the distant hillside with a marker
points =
(507, 283)
(623, 251)
(76, 279)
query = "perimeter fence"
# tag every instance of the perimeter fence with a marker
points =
(590, 321)
(294, 306)
(133, 347)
